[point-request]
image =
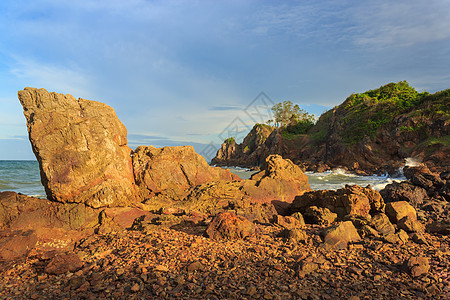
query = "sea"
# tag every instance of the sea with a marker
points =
(23, 176)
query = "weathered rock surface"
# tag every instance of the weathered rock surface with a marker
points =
(280, 179)
(404, 191)
(353, 200)
(63, 263)
(16, 243)
(319, 215)
(249, 153)
(338, 236)
(168, 173)
(417, 266)
(227, 225)
(81, 147)
(398, 210)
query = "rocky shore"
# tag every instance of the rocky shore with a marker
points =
(163, 224)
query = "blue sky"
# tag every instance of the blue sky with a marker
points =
(188, 72)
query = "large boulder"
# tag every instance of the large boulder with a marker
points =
(280, 180)
(170, 172)
(404, 191)
(350, 200)
(81, 147)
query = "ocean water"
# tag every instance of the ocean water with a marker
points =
(333, 180)
(23, 177)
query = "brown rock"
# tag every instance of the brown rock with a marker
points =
(410, 224)
(294, 235)
(16, 244)
(417, 266)
(63, 263)
(319, 215)
(398, 210)
(354, 200)
(280, 179)
(338, 236)
(171, 171)
(382, 224)
(81, 147)
(287, 222)
(229, 226)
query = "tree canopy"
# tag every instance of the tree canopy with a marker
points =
(286, 113)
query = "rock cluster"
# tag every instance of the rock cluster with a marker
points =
(192, 231)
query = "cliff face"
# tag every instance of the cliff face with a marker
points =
(372, 132)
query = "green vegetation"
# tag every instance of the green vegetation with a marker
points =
(286, 113)
(230, 140)
(366, 113)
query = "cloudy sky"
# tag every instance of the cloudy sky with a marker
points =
(195, 72)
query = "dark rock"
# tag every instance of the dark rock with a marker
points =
(319, 215)
(294, 235)
(354, 200)
(404, 191)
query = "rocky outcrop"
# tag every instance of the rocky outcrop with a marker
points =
(369, 133)
(168, 173)
(81, 147)
(259, 198)
(249, 153)
(350, 200)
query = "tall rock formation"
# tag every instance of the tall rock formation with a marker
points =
(81, 147)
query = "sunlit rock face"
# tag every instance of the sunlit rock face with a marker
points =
(81, 147)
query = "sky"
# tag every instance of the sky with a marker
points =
(197, 72)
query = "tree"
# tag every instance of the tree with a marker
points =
(286, 113)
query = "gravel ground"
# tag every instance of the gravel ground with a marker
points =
(159, 262)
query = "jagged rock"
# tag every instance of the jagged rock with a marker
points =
(287, 222)
(319, 215)
(16, 243)
(170, 171)
(280, 179)
(398, 210)
(382, 224)
(299, 217)
(258, 199)
(410, 224)
(354, 200)
(404, 191)
(417, 265)
(63, 263)
(294, 235)
(227, 225)
(338, 236)
(440, 227)
(81, 147)
(251, 153)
